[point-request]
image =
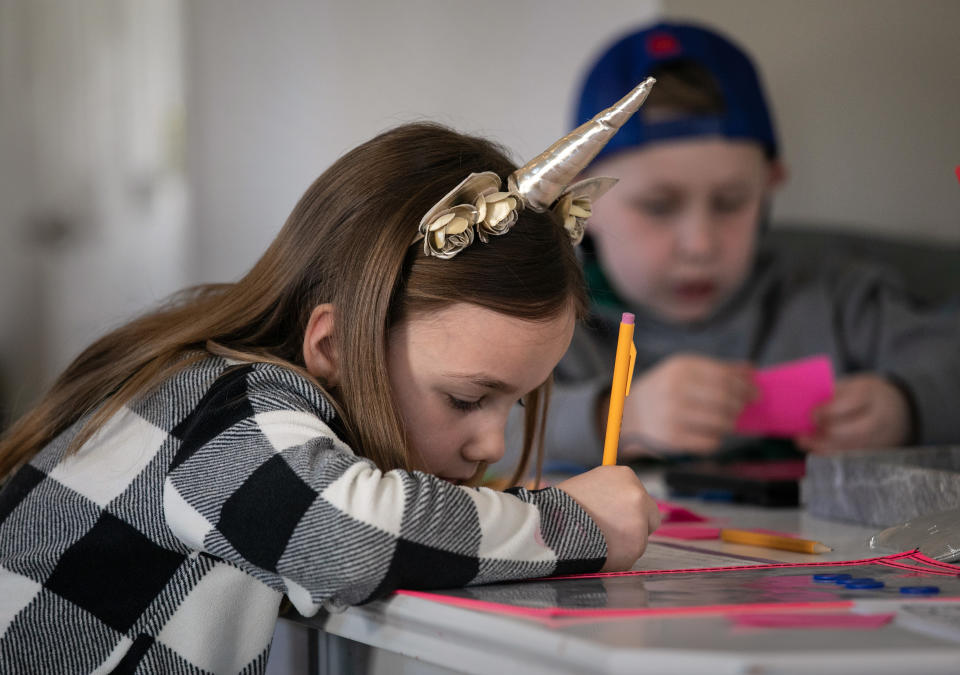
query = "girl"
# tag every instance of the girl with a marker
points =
(313, 430)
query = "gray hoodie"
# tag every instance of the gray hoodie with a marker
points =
(857, 313)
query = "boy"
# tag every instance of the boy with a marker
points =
(678, 241)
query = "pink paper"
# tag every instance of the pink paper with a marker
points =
(551, 613)
(822, 620)
(788, 394)
(766, 613)
(687, 532)
(671, 513)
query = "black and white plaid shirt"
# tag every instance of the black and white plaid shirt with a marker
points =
(168, 541)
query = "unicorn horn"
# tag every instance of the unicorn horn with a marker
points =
(541, 180)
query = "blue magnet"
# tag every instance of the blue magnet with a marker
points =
(920, 590)
(832, 578)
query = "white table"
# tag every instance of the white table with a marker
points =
(411, 635)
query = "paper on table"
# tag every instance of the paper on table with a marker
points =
(821, 620)
(742, 589)
(664, 556)
(788, 394)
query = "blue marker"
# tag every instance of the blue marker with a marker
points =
(832, 578)
(863, 583)
(920, 590)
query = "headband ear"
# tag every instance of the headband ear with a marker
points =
(575, 204)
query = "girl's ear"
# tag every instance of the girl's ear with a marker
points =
(319, 350)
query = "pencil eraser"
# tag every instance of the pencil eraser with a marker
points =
(627, 318)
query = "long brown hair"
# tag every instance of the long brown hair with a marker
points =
(347, 242)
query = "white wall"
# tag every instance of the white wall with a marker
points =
(867, 95)
(279, 90)
(92, 188)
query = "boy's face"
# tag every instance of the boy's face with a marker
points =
(457, 372)
(677, 234)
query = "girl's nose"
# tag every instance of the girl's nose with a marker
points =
(488, 445)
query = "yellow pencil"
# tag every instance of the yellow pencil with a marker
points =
(620, 389)
(773, 541)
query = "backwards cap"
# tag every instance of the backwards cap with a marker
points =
(632, 58)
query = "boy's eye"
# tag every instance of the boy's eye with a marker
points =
(460, 404)
(656, 207)
(731, 204)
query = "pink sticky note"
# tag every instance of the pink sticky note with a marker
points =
(788, 394)
(688, 532)
(672, 513)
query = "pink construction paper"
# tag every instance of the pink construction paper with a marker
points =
(560, 612)
(688, 532)
(788, 394)
(671, 513)
(824, 611)
(891, 560)
(822, 620)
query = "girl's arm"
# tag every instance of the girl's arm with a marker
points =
(261, 481)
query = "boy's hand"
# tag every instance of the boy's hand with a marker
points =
(617, 502)
(687, 403)
(866, 411)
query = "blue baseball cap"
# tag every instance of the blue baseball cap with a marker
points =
(633, 57)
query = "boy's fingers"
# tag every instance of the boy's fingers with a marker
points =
(716, 401)
(841, 409)
(849, 400)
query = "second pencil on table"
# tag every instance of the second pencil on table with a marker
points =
(773, 541)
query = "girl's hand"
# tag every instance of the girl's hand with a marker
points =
(617, 502)
(687, 403)
(866, 411)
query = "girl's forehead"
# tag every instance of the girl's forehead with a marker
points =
(475, 345)
(469, 320)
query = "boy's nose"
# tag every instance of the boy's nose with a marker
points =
(696, 237)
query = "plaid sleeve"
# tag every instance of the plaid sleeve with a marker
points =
(260, 480)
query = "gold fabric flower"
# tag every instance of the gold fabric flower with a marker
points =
(497, 213)
(476, 207)
(450, 231)
(575, 204)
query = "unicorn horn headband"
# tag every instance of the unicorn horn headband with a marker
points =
(477, 206)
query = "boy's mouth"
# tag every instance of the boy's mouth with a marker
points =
(694, 291)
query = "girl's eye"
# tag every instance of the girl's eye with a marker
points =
(460, 404)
